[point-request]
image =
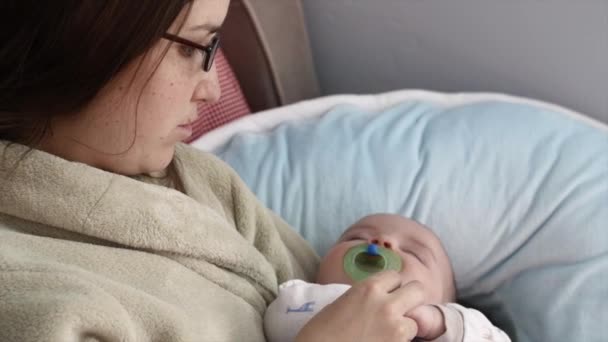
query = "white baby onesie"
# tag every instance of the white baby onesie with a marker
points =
(298, 301)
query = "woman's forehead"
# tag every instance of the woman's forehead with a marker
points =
(206, 14)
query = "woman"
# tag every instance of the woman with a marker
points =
(110, 230)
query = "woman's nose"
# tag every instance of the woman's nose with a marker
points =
(383, 241)
(208, 89)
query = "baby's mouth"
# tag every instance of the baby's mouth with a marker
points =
(371, 263)
(364, 260)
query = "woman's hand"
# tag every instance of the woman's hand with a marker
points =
(370, 311)
(430, 321)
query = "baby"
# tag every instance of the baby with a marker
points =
(375, 243)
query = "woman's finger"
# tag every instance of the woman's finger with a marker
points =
(408, 297)
(410, 329)
(382, 282)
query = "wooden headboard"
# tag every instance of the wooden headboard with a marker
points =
(267, 45)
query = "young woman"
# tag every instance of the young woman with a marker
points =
(110, 229)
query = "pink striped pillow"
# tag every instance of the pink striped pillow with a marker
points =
(231, 105)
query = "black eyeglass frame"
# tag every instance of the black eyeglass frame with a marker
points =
(209, 51)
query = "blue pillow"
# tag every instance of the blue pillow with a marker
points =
(517, 193)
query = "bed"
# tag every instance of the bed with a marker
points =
(516, 188)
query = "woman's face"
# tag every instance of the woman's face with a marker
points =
(134, 123)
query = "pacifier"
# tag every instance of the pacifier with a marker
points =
(364, 260)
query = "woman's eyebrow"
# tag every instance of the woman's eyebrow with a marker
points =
(212, 28)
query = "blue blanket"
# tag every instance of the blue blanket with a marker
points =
(517, 193)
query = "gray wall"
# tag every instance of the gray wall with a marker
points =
(553, 50)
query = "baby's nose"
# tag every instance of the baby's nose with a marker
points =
(383, 242)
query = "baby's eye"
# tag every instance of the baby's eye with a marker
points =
(351, 238)
(415, 255)
(187, 51)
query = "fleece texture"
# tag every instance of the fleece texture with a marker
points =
(88, 255)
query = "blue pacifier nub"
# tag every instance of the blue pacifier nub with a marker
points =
(372, 249)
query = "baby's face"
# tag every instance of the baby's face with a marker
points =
(423, 257)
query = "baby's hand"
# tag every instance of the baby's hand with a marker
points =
(430, 321)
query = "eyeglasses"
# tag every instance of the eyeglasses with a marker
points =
(208, 51)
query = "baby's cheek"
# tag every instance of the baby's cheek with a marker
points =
(334, 277)
(331, 270)
(433, 287)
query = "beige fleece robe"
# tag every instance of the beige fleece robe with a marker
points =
(88, 255)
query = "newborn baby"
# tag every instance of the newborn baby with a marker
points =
(373, 244)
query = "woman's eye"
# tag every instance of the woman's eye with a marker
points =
(187, 51)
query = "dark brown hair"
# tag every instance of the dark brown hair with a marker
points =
(55, 56)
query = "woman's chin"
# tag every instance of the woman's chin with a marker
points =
(159, 164)
(164, 162)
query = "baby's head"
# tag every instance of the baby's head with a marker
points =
(423, 257)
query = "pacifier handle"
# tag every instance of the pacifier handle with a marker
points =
(372, 249)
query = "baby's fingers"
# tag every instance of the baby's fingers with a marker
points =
(430, 321)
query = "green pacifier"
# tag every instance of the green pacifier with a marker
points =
(364, 260)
